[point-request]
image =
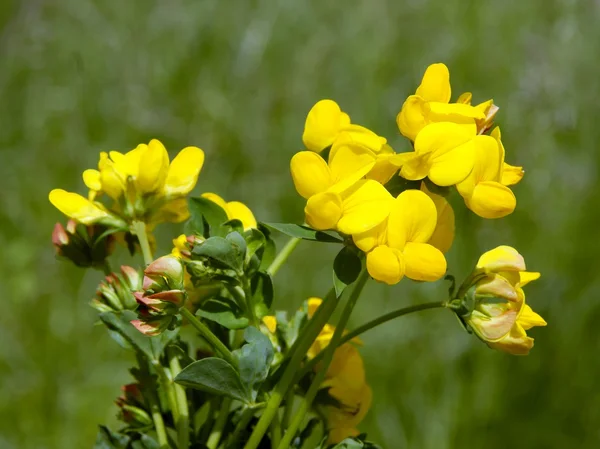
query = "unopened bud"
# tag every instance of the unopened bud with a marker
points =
(116, 291)
(167, 268)
(85, 246)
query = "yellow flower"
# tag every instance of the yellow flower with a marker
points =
(82, 209)
(443, 236)
(270, 322)
(483, 190)
(499, 259)
(142, 182)
(234, 210)
(488, 108)
(399, 246)
(326, 124)
(444, 152)
(431, 104)
(180, 246)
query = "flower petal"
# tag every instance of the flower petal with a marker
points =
(412, 119)
(77, 207)
(454, 112)
(239, 211)
(183, 171)
(154, 164)
(443, 235)
(215, 199)
(385, 264)
(525, 277)
(364, 206)
(492, 200)
(310, 173)
(453, 166)
(487, 163)
(91, 178)
(323, 210)
(435, 85)
(501, 258)
(362, 136)
(384, 169)
(348, 163)
(413, 218)
(323, 124)
(423, 262)
(528, 318)
(511, 174)
(368, 240)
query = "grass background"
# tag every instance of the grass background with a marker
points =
(237, 79)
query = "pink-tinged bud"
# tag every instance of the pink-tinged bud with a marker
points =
(71, 226)
(131, 276)
(496, 286)
(176, 297)
(149, 328)
(59, 237)
(169, 268)
(148, 283)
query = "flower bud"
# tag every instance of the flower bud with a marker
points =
(153, 325)
(168, 269)
(85, 246)
(116, 291)
(131, 405)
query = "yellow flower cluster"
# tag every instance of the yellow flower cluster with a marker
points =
(501, 317)
(344, 173)
(345, 382)
(140, 185)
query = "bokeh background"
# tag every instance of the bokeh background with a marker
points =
(237, 79)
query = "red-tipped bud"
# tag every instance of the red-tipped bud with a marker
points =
(60, 237)
(168, 268)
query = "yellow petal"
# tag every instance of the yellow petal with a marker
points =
(368, 240)
(443, 235)
(323, 124)
(525, 277)
(516, 342)
(423, 262)
(465, 98)
(511, 174)
(348, 163)
(310, 173)
(412, 219)
(454, 112)
(174, 211)
(183, 171)
(452, 166)
(528, 318)
(323, 210)
(313, 304)
(365, 205)
(497, 286)
(77, 207)
(492, 200)
(494, 323)
(154, 164)
(179, 245)
(216, 199)
(91, 178)
(442, 137)
(384, 169)
(414, 166)
(412, 119)
(270, 322)
(113, 182)
(363, 136)
(501, 258)
(435, 85)
(348, 370)
(386, 264)
(239, 211)
(487, 163)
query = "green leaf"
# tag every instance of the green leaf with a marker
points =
(269, 250)
(262, 293)
(349, 443)
(303, 232)
(234, 225)
(223, 311)
(255, 241)
(255, 359)
(215, 376)
(145, 442)
(206, 218)
(120, 323)
(227, 252)
(106, 439)
(346, 268)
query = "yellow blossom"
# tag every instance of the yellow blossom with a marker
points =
(431, 104)
(399, 246)
(82, 209)
(180, 246)
(235, 210)
(443, 235)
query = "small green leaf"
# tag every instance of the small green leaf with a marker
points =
(120, 323)
(227, 252)
(255, 241)
(303, 232)
(269, 250)
(255, 359)
(106, 439)
(262, 293)
(206, 217)
(234, 225)
(223, 311)
(346, 268)
(215, 376)
(145, 442)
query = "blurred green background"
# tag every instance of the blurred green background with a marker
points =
(237, 79)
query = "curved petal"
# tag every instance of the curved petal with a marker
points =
(154, 164)
(414, 166)
(174, 211)
(501, 258)
(364, 206)
(487, 163)
(516, 342)
(383, 170)
(239, 211)
(423, 262)
(348, 163)
(451, 112)
(385, 264)
(412, 119)
(528, 318)
(362, 136)
(323, 124)
(183, 171)
(511, 174)
(77, 207)
(435, 85)
(443, 235)
(525, 277)
(453, 166)
(368, 240)
(91, 179)
(465, 98)
(412, 219)
(442, 137)
(310, 173)
(216, 199)
(492, 200)
(323, 210)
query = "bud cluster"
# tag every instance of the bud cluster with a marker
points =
(85, 246)
(132, 409)
(115, 293)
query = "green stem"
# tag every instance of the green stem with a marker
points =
(298, 352)
(368, 326)
(275, 431)
(159, 424)
(215, 435)
(209, 336)
(289, 408)
(167, 384)
(106, 267)
(183, 419)
(327, 358)
(285, 252)
(241, 426)
(139, 229)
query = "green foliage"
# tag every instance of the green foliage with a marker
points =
(206, 218)
(346, 268)
(223, 311)
(225, 252)
(303, 232)
(254, 358)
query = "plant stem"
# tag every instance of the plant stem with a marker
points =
(183, 420)
(241, 426)
(368, 326)
(159, 424)
(298, 352)
(289, 408)
(282, 256)
(275, 431)
(106, 267)
(215, 435)
(209, 336)
(327, 358)
(139, 229)
(167, 384)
